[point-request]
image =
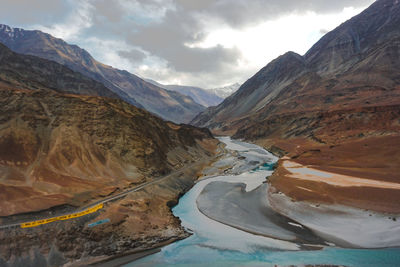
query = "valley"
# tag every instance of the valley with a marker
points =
(334, 109)
(133, 163)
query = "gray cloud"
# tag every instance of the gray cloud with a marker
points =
(107, 10)
(164, 30)
(167, 40)
(180, 22)
(134, 55)
(212, 59)
(241, 13)
(25, 12)
(323, 31)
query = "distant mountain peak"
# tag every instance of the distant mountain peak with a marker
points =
(226, 91)
(201, 96)
(11, 32)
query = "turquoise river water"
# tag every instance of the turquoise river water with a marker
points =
(216, 244)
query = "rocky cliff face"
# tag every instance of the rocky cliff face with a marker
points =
(168, 105)
(344, 90)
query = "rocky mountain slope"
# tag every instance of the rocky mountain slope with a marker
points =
(31, 72)
(68, 149)
(350, 66)
(201, 96)
(57, 147)
(345, 91)
(166, 104)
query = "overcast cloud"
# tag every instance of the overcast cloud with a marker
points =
(205, 43)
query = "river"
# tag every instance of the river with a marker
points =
(216, 244)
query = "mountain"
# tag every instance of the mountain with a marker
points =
(67, 141)
(69, 149)
(201, 96)
(337, 103)
(166, 104)
(60, 146)
(31, 72)
(352, 66)
(225, 91)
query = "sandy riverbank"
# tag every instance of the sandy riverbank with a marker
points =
(299, 171)
(250, 211)
(269, 212)
(340, 208)
(343, 225)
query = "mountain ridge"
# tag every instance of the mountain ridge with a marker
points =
(199, 95)
(266, 78)
(46, 74)
(170, 106)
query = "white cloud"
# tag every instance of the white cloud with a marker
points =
(75, 23)
(258, 44)
(264, 42)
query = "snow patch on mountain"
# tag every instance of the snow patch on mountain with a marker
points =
(226, 91)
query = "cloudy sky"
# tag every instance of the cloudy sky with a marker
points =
(206, 43)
